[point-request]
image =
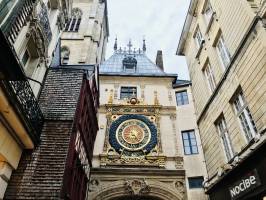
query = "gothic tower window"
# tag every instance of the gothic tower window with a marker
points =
(65, 52)
(74, 22)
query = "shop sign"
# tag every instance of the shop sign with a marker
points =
(244, 185)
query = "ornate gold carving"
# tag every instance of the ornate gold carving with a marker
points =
(151, 161)
(137, 187)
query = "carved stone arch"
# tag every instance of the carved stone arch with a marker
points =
(36, 33)
(119, 189)
(40, 39)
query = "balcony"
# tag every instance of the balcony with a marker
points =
(19, 107)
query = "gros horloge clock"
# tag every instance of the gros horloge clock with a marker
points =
(133, 135)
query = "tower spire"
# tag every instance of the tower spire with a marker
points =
(129, 46)
(144, 46)
(115, 45)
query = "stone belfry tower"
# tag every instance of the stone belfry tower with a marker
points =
(135, 153)
(86, 32)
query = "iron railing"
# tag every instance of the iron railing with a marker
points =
(26, 105)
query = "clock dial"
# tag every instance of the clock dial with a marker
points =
(133, 134)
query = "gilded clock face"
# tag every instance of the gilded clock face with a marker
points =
(133, 134)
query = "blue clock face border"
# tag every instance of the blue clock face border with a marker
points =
(114, 127)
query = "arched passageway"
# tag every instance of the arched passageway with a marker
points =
(137, 198)
(148, 190)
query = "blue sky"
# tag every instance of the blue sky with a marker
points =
(160, 21)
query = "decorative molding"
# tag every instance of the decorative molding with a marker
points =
(137, 187)
(117, 160)
(180, 187)
(179, 162)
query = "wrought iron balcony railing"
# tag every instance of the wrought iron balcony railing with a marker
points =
(18, 91)
(26, 105)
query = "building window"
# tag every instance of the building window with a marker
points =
(223, 51)
(65, 52)
(25, 58)
(223, 132)
(210, 77)
(208, 12)
(189, 142)
(195, 182)
(128, 92)
(198, 38)
(74, 22)
(244, 116)
(182, 98)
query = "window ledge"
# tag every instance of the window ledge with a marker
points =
(200, 48)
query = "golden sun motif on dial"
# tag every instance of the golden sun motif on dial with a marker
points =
(133, 134)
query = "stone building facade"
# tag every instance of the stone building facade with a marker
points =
(225, 47)
(138, 151)
(27, 45)
(48, 108)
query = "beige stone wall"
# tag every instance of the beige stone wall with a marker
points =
(193, 164)
(13, 136)
(233, 19)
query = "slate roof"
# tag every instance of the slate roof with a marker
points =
(40, 171)
(180, 83)
(145, 67)
(60, 94)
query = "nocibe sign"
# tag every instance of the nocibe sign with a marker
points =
(244, 185)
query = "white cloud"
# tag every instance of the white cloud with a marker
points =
(160, 21)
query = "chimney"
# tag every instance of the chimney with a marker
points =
(159, 59)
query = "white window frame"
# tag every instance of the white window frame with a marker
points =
(225, 139)
(136, 94)
(182, 98)
(198, 38)
(244, 117)
(223, 52)
(210, 76)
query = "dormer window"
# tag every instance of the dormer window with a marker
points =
(129, 64)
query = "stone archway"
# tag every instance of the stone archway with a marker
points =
(138, 189)
(137, 198)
